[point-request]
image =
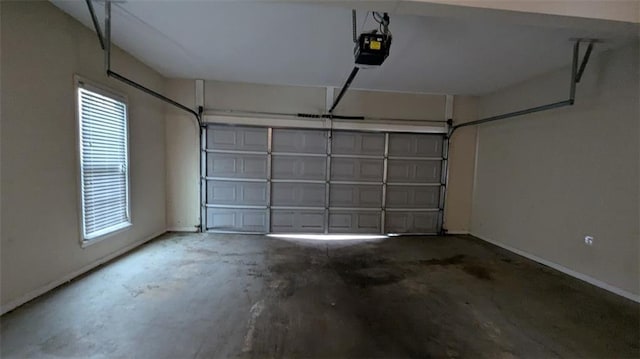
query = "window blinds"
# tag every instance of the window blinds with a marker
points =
(104, 163)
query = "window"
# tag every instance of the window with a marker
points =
(104, 162)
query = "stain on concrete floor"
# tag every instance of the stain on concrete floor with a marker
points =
(213, 296)
(457, 259)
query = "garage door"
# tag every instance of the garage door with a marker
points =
(299, 177)
(237, 191)
(277, 180)
(357, 171)
(413, 183)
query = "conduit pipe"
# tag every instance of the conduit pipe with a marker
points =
(576, 76)
(105, 44)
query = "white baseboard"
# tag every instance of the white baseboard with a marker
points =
(182, 229)
(44, 289)
(571, 272)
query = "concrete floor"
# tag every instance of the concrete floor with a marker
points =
(204, 296)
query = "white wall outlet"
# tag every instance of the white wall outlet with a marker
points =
(588, 240)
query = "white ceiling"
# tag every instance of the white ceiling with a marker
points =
(310, 44)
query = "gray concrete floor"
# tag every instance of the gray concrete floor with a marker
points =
(212, 296)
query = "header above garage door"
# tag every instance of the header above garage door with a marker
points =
(373, 126)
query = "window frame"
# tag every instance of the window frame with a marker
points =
(83, 83)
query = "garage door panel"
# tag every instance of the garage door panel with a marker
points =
(413, 196)
(235, 193)
(298, 194)
(415, 145)
(237, 220)
(231, 138)
(297, 221)
(293, 168)
(304, 168)
(414, 171)
(355, 196)
(411, 222)
(356, 169)
(354, 222)
(231, 165)
(357, 143)
(300, 141)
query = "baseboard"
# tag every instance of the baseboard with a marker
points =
(182, 229)
(46, 288)
(571, 272)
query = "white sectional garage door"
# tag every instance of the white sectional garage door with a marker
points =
(237, 191)
(355, 190)
(263, 180)
(413, 184)
(299, 176)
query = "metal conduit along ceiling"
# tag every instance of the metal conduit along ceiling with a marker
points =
(311, 45)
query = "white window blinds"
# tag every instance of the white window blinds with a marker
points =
(104, 163)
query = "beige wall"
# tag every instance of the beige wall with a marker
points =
(546, 180)
(462, 152)
(182, 140)
(42, 48)
(254, 97)
(392, 105)
(617, 10)
(182, 154)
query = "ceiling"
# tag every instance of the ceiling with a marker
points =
(310, 44)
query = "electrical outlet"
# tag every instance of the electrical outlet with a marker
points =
(588, 240)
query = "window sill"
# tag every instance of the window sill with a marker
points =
(117, 230)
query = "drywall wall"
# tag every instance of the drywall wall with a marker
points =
(42, 49)
(183, 161)
(269, 98)
(392, 105)
(545, 181)
(619, 10)
(182, 139)
(462, 152)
